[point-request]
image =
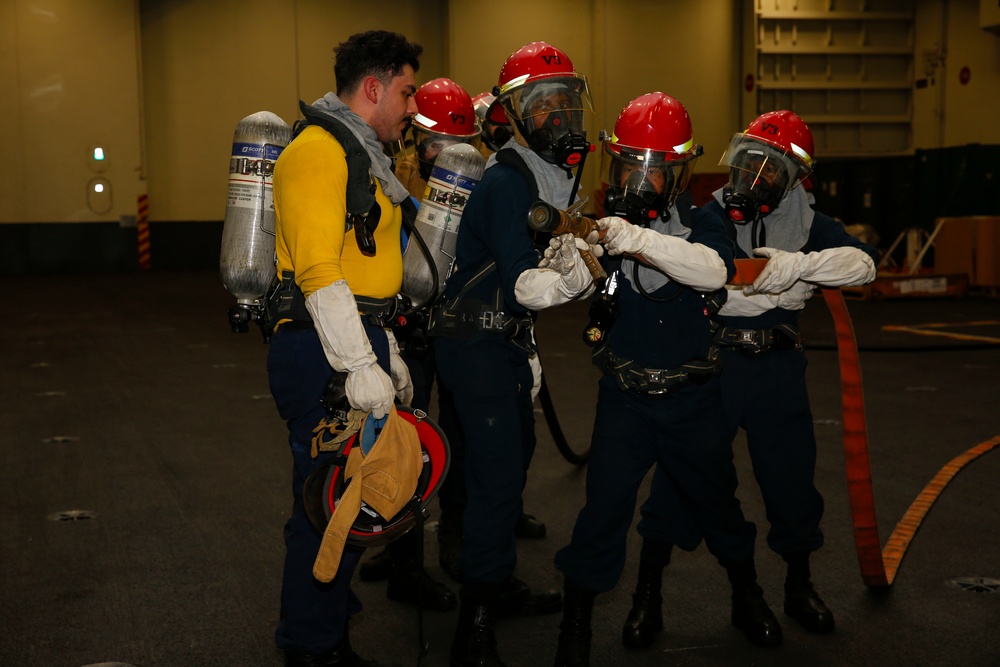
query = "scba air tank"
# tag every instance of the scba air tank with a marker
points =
(246, 262)
(456, 171)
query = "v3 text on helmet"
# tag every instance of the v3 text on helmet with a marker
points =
(766, 161)
(545, 100)
(445, 116)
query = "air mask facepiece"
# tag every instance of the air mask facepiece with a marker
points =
(549, 115)
(428, 145)
(635, 201)
(760, 175)
(496, 138)
(558, 140)
(642, 184)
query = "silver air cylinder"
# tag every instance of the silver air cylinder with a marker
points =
(456, 171)
(246, 262)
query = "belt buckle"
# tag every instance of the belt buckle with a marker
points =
(487, 318)
(656, 377)
(749, 339)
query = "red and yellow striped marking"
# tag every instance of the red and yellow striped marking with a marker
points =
(142, 229)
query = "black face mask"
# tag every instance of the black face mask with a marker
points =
(639, 209)
(744, 205)
(425, 168)
(740, 207)
(638, 206)
(750, 199)
(495, 140)
(568, 150)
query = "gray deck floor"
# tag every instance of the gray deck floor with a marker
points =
(126, 396)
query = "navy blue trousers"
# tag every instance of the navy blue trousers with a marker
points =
(490, 382)
(423, 371)
(766, 396)
(681, 432)
(313, 615)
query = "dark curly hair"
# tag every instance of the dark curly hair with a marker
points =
(377, 53)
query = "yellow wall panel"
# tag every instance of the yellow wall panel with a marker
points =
(209, 64)
(12, 203)
(75, 87)
(161, 84)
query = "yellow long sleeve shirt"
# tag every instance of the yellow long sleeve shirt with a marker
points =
(310, 201)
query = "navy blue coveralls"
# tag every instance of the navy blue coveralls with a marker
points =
(765, 394)
(680, 430)
(489, 376)
(314, 615)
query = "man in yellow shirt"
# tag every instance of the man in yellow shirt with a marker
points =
(341, 270)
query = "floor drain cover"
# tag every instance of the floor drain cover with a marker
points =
(74, 515)
(975, 584)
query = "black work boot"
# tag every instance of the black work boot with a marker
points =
(475, 642)
(378, 567)
(518, 599)
(341, 655)
(801, 600)
(645, 618)
(449, 535)
(410, 583)
(574, 630)
(529, 528)
(750, 611)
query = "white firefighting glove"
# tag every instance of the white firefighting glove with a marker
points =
(833, 267)
(795, 297)
(691, 264)
(536, 369)
(345, 343)
(739, 304)
(552, 253)
(536, 376)
(566, 278)
(399, 371)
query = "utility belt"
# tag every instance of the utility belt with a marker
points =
(465, 318)
(462, 317)
(654, 381)
(758, 341)
(286, 301)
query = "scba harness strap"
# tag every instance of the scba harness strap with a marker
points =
(758, 341)
(470, 316)
(654, 381)
(287, 302)
(462, 317)
(363, 212)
